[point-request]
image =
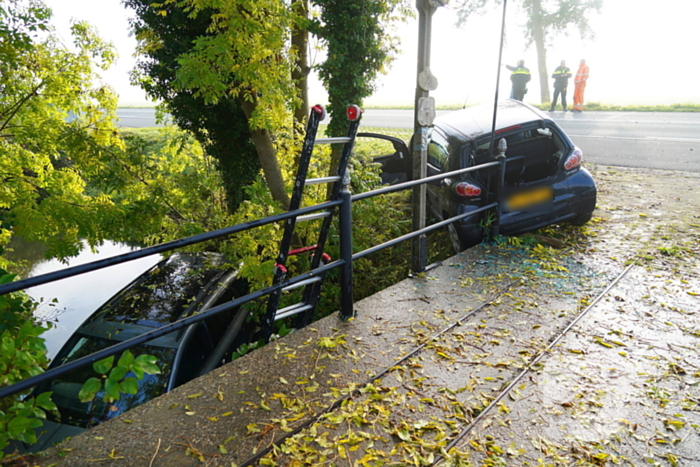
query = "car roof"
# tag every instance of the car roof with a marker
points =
(476, 121)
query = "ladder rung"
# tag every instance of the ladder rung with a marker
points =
(292, 310)
(302, 283)
(315, 181)
(338, 139)
(316, 215)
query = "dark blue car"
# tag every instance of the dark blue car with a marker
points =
(179, 286)
(544, 183)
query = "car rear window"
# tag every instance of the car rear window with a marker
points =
(162, 294)
(529, 142)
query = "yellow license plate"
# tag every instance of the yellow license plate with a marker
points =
(526, 199)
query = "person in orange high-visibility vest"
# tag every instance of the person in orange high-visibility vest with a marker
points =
(580, 86)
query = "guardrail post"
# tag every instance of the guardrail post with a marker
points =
(501, 158)
(345, 227)
(424, 114)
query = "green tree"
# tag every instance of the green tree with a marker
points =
(22, 355)
(220, 127)
(546, 19)
(252, 54)
(358, 48)
(54, 117)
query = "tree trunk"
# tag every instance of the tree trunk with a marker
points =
(268, 158)
(538, 36)
(300, 73)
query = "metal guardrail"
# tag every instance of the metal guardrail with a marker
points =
(345, 263)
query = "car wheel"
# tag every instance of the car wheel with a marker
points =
(582, 219)
(457, 243)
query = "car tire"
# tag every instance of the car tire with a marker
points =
(455, 239)
(582, 219)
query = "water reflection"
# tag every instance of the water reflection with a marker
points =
(76, 297)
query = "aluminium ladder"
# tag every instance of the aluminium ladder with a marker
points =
(312, 286)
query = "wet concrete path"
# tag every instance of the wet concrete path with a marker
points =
(424, 366)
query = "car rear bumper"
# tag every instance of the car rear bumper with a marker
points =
(574, 197)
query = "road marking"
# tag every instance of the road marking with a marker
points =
(646, 138)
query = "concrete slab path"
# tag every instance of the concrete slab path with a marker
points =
(418, 378)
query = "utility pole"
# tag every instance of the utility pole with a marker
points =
(424, 114)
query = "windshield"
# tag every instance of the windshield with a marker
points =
(66, 388)
(162, 294)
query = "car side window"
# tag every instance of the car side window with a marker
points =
(438, 151)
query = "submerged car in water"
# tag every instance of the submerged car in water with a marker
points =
(177, 287)
(544, 181)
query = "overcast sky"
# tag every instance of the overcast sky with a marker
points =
(639, 55)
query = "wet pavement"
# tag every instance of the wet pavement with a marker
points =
(507, 354)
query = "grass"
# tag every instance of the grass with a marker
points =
(594, 106)
(687, 107)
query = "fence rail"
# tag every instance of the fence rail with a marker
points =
(344, 263)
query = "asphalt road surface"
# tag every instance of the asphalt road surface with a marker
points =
(660, 140)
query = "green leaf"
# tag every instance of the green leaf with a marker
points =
(111, 391)
(129, 386)
(7, 278)
(19, 425)
(89, 390)
(126, 359)
(118, 373)
(147, 363)
(104, 365)
(137, 371)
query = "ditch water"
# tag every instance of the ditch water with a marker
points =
(68, 302)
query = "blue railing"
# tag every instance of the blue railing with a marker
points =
(345, 263)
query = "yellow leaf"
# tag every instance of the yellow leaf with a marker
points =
(194, 396)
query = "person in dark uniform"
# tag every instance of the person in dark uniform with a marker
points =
(520, 76)
(561, 77)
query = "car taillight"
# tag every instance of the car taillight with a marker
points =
(574, 160)
(466, 190)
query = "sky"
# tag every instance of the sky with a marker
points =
(638, 57)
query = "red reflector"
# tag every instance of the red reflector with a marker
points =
(466, 190)
(319, 109)
(354, 112)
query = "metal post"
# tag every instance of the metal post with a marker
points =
(424, 114)
(345, 227)
(501, 158)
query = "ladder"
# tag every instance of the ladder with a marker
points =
(312, 287)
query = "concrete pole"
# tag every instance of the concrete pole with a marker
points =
(424, 114)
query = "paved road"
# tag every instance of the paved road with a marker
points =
(661, 140)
